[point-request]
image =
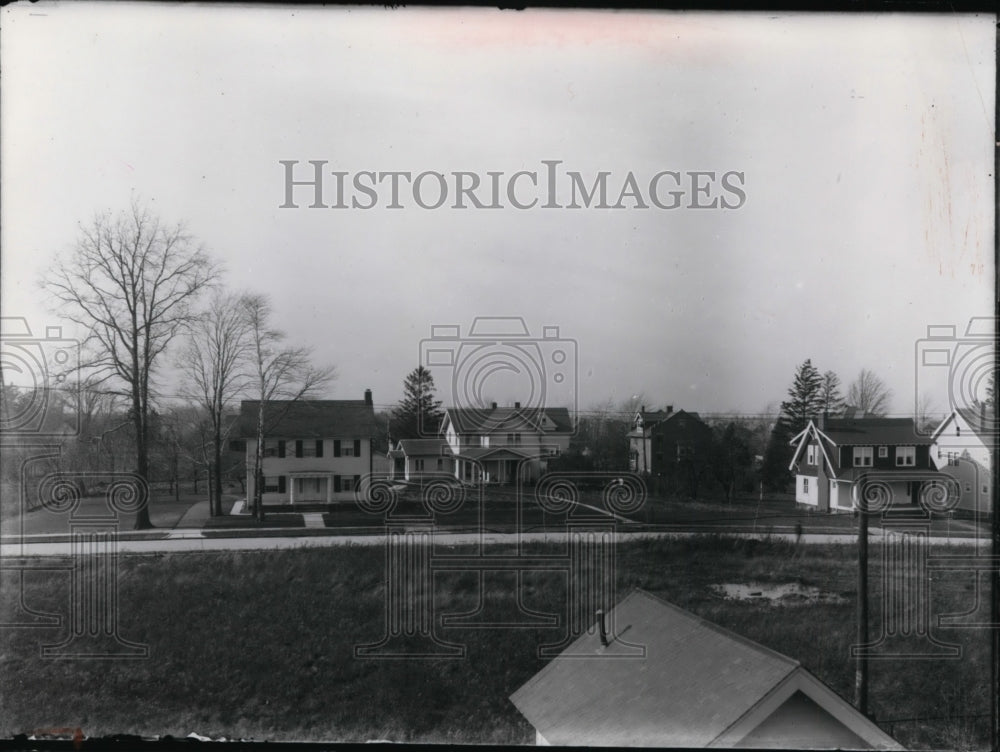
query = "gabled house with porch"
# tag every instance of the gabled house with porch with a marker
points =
(963, 450)
(831, 454)
(413, 459)
(314, 450)
(491, 444)
(650, 674)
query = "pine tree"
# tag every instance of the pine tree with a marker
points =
(418, 414)
(805, 399)
(804, 403)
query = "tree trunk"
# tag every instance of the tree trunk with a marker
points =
(142, 521)
(217, 507)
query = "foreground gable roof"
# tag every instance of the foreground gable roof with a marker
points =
(697, 684)
(309, 419)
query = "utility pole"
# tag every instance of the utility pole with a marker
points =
(861, 671)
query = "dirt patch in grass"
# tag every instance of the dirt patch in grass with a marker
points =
(784, 594)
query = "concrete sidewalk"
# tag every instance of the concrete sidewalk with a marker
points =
(271, 539)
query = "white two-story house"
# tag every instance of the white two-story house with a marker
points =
(963, 449)
(314, 450)
(491, 445)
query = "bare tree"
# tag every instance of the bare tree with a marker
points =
(830, 396)
(870, 394)
(130, 283)
(279, 373)
(215, 358)
(926, 416)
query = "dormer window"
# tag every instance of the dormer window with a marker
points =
(862, 456)
(811, 454)
(906, 456)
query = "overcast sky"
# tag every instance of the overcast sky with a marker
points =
(864, 146)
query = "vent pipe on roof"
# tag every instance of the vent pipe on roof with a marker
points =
(603, 628)
(642, 409)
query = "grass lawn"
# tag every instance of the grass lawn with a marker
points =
(261, 645)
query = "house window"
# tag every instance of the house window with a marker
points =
(311, 448)
(805, 485)
(346, 484)
(555, 450)
(986, 489)
(811, 454)
(418, 464)
(440, 464)
(883, 452)
(347, 450)
(275, 484)
(684, 451)
(863, 456)
(274, 448)
(968, 488)
(906, 456)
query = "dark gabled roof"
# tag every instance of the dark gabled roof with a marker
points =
(478, 420)
(309, 419)
(871, 431)
(424, 447)
(668, 678)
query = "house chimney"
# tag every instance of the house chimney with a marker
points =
(821, 422)
(368, 396)
(642, 409)
(494, 405)
(670, 409)
(517, 405)
(604, 629)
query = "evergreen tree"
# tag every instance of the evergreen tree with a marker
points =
(418, 414)
(805, 399)
(804, 403)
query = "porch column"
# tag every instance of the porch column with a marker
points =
(329, 488)
(291, 489)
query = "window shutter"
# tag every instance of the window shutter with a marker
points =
(336, 447)
(319, 447)
(281, 484)
(357, 482)
(357, 447)
(336, 484)
(298, 447)
(281, 448)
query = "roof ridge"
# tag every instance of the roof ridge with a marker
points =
(712, 625)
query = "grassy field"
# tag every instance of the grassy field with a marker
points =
(261, 645)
